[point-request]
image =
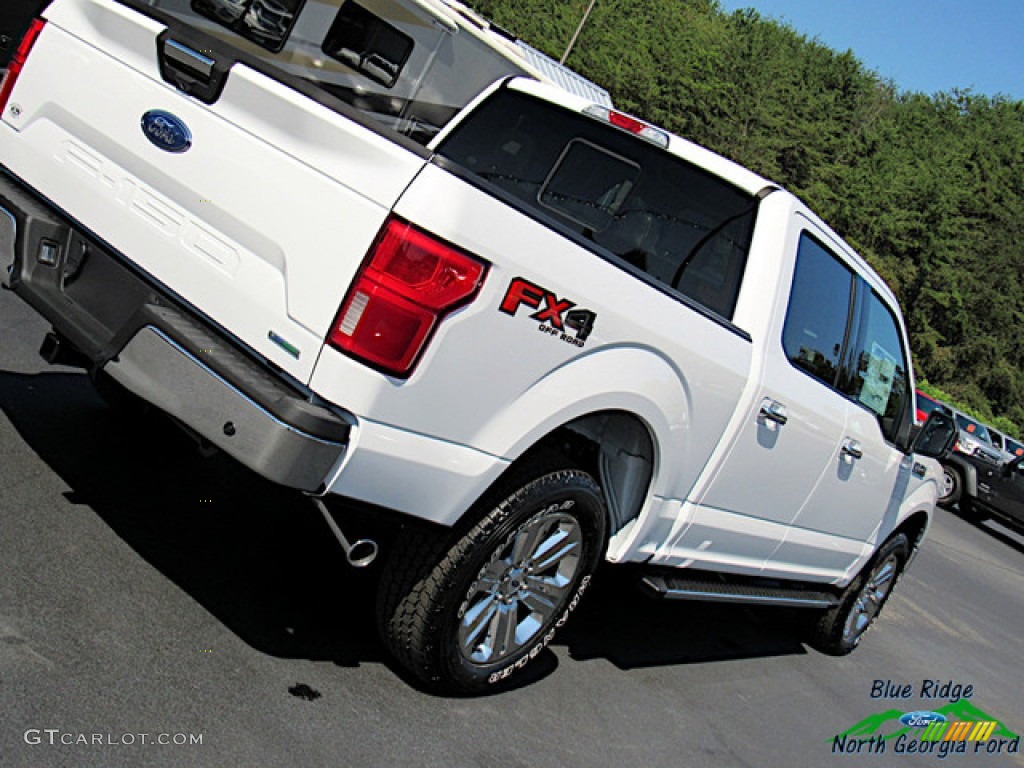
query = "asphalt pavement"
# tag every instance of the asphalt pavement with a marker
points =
(159, 608)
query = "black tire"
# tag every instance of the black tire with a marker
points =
(971, 511)
(498, 572)
(839, 630)
(952, 487)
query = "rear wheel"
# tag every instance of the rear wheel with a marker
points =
(840, 629)
(468, 613)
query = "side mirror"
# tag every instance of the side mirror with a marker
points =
(936, 437)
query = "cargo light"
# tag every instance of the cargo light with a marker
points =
(18, 61)
(408, 283)
(627, 123)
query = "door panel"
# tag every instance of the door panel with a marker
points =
(854, 498)
(816, 463)
(859, 496)
(795, 424)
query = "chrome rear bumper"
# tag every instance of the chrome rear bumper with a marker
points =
(163, 373)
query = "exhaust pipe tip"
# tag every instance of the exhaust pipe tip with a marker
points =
(362, 553)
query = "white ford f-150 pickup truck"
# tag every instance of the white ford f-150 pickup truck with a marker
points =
(374, 253)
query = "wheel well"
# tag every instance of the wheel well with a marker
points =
(914, 528)
(616, 448)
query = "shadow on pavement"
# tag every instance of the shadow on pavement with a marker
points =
(255, 555)
(260, 559)
(622, 624)
(1002, 530)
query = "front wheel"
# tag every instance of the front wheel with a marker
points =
(840, 629)
(951, 488)
(467, 614)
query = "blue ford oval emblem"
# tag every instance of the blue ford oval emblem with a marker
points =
(166, 131)
(922, 718)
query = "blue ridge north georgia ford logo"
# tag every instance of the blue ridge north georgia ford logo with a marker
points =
(166, 131)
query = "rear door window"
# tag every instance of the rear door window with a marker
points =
(819, 311)
(841, 332)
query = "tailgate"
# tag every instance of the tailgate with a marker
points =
(260, 222)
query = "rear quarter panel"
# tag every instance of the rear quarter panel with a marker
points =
(498, 382)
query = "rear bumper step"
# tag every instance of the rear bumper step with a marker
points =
(678, 588)
(157, 369)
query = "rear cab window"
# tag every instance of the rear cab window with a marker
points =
(687, 231)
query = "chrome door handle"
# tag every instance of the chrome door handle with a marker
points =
(772, 410)
(852, 449)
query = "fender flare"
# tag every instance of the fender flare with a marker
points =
(968, 472)
(628, 379)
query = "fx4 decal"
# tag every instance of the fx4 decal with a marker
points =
(554, 316)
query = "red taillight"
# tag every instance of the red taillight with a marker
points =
(409, 281)
(18, 61)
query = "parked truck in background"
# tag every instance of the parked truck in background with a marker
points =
(370, 251)
(973, 448)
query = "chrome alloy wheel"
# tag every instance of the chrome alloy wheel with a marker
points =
(872, 595)
(948, 483)
(518, 592)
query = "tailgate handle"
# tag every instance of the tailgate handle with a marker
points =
(191, 66)
(181, 56)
